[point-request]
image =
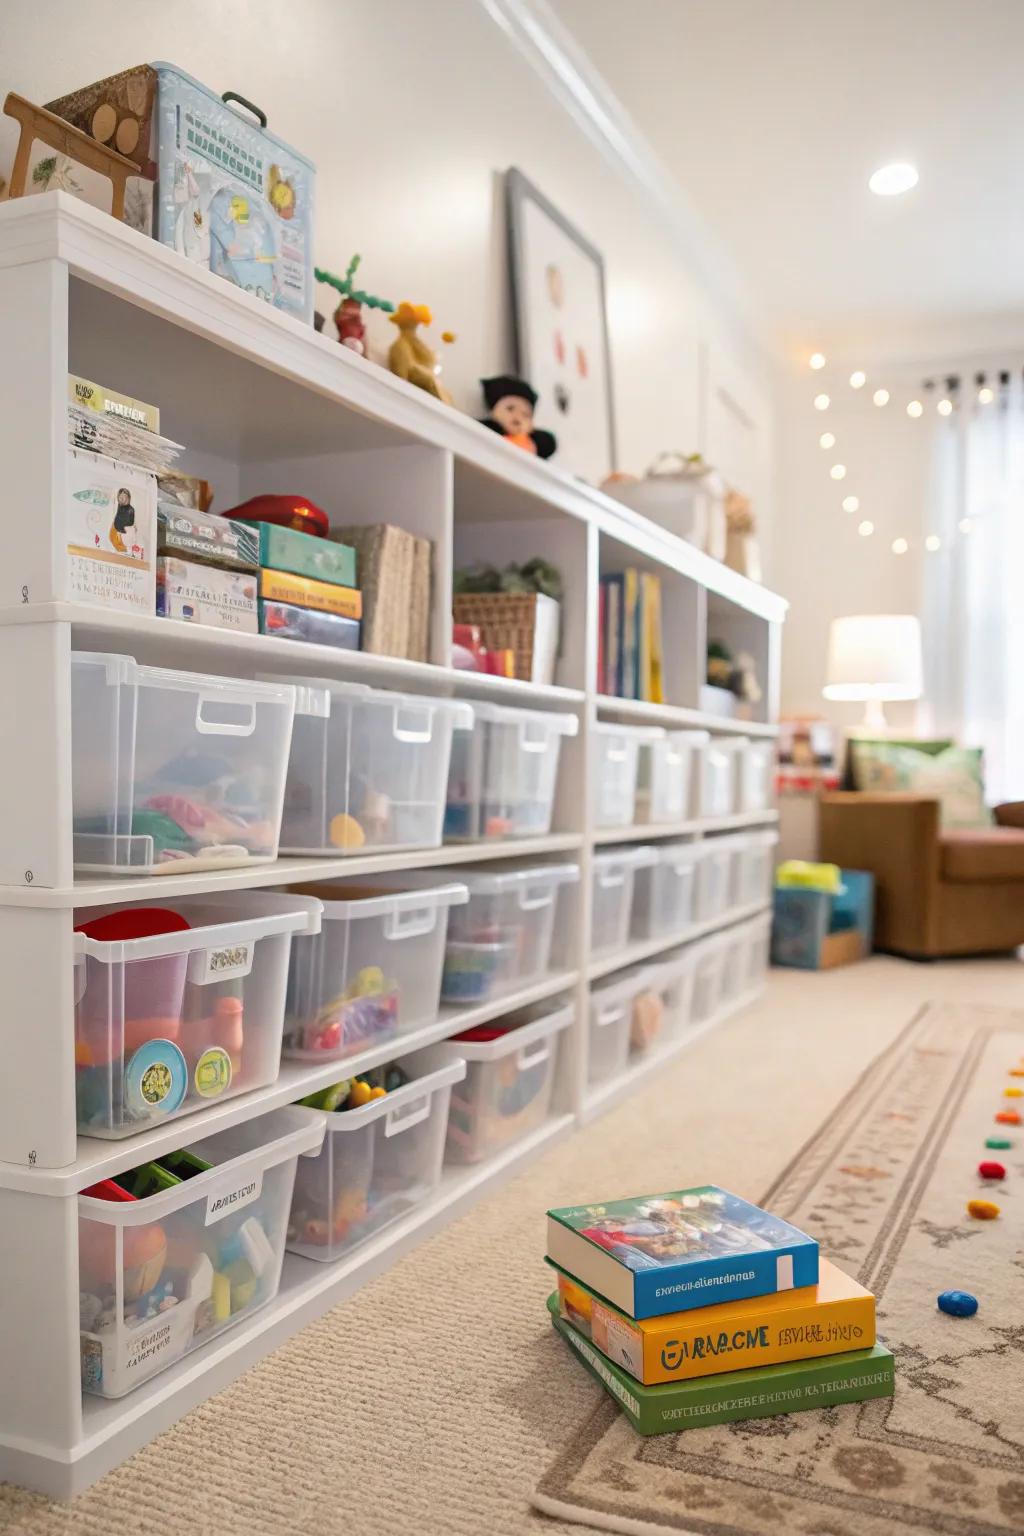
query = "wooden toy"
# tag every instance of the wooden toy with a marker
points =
(37, 123)
(348, 316)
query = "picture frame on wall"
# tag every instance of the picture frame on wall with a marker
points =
(560, 328)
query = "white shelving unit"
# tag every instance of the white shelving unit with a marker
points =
(263, 404)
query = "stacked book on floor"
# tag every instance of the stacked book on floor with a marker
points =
(697, 1308)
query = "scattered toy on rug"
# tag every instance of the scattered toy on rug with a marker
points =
(992, 1170)
(958, 1303)
(982, 1210)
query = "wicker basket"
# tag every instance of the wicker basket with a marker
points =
(525, 623)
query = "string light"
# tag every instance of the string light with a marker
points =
(865, 529)
(900, 546)
(821, 402)
(838, 471)
(827, 440)
(932, 543)
(965, 525)
(945, 407)
(858, 379)
(915, 408)
(881, 397)
(851, 504)
(986, 395)
(816, 360)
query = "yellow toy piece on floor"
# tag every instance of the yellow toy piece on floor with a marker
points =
(812, 877)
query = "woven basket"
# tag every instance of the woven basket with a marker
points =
(508, 621)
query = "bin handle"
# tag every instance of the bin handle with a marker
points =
(537, 902)
(80, 973)
(396, 1120)
(528, 1058)
(250, 106)
(221, 727)
(609, 880)
(606, 1016)
(409, 923)
(616, 754)
(529, 743)
(411, 732)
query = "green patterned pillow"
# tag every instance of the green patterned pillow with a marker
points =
(953, 777)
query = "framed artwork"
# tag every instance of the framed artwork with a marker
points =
(561, 329)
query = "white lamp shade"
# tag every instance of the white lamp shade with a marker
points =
(874, 656)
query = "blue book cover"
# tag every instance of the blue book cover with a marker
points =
(669, 1253)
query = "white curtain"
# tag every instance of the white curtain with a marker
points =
(974, 585)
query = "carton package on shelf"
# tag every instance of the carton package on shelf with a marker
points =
(290, 622)
(395, 578)
(205, 594)
(303, 554)
(110, 530)
(219, 541)
(304, 592)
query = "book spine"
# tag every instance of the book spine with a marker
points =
(304, 592)
(679, 1354)
(656, 643)
(602, 619)
(665, 1289)
(614, 661)
(591, 1358)
(630, 659)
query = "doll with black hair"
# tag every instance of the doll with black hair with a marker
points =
(124, 518)
(510, 404)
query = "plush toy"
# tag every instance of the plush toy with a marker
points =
(510, 404)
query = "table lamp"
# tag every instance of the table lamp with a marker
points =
(874, 657)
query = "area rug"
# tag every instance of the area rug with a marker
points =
(883, 1185)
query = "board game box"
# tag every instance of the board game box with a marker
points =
(654, 1254)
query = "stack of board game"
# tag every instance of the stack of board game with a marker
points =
(206, 568)
(630, 647)
(307, 587)
(697, 1308)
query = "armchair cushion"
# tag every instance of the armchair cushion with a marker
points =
(1010, 814)
(953, 776)
(969, 854)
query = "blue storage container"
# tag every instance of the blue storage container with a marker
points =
(231, 195)
(815, 930)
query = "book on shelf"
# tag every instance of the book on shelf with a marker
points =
(394, 570)
(835, 1315)
(654, 1254)
(630, 640)
(305, 592)
(757, 1393)
(630, 634)
(102, 421)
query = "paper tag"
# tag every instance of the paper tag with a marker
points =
(784, 1272)
(223, 1201)
(207, 965)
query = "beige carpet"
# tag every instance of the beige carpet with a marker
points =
(433, 1401)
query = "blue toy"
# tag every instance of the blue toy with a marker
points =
(958, 1303)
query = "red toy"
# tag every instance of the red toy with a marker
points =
(286, 511)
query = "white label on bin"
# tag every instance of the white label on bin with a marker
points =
(141, 1350)
(223, 1201)
(220, 964)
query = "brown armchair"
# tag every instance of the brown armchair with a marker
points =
(952, 891)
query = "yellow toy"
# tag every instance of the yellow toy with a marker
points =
(410, 357)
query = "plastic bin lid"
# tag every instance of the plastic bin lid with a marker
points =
(640, 733)
(126, 670)
(315, 695)
(349, 901)
(487, 881)
(626, 858)
(690, 738)
(679, 853)
(634, 979)
(514, 1038)
(504, 714)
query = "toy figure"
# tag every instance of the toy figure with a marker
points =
(410, 357)
(348, 316)
(510, 404)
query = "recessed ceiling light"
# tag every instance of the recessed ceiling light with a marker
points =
(827, 440)
(821, 402)
(881, 397)
(945, 407)
(865, 529)
(838, 471)
(816, 360)
(891, 180)
(858, 379)
(851, 503)
(933, 542)
(915, 408)
(900, 546)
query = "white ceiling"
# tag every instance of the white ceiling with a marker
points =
(771, 115)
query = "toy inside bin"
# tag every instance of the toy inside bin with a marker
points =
(816, 928)
(503, 773)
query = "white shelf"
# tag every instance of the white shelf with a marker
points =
(100, 890)
(610, 707)
(113, 1428)
(100, 1158)
(646, 832)
(632, 954)
(606, 1095)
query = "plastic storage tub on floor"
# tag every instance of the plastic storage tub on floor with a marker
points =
(371, 974)
(612, 888)
(503, 774)
(368, 768)
(163, 1275)
(614, 770)
(169, 1023)
(174, 771)
(665, 893)
(377, 1163)
(758, 868)
(708, 963)
(510, 1079)
(757, 767)
(666, 780)
(719, 776)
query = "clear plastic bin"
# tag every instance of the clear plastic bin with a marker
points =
(163, 1275)
(757, 769)
(673, 977)
(371, 974)
(627, 1018)
(368, 768)
(708, 964)
(665, 893)
(504, 937)
(174, 771)
(719, 775)
(611, 903)
(735, 964)
(167, 1024)
(614, 771)
(758, 874)
(508, 1085)
(503, 773)
(757, 936)
(666, 780)
(376, 1163)
(716, 877)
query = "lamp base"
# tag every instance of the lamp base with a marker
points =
(874, 716)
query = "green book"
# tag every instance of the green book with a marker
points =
(753, 1394)
(303, 554)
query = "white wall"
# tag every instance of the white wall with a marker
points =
(410, 110)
